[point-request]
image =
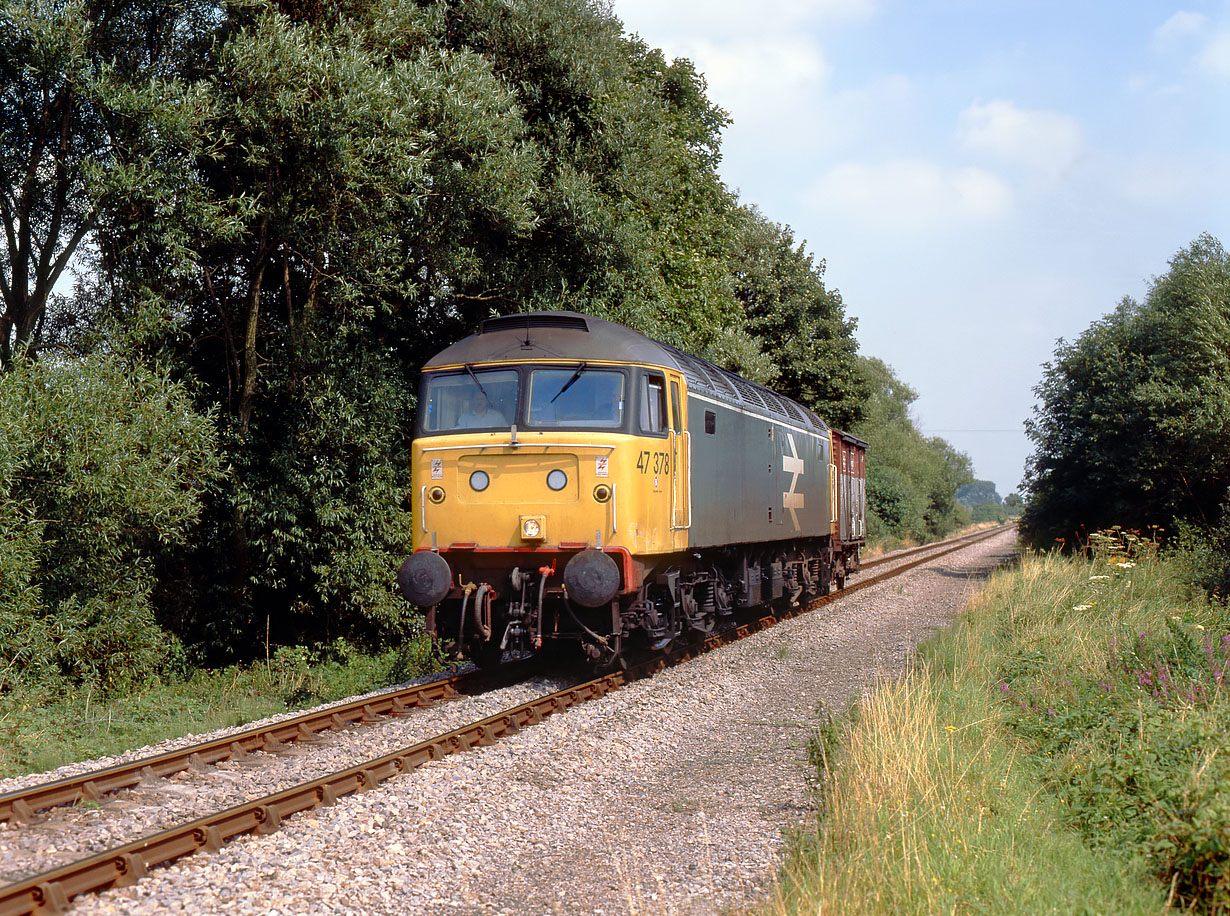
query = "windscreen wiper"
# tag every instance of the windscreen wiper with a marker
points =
(476, 381)
(568, 384)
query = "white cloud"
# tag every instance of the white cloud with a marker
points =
(1045, 143)
(1158, 180)
(911, 194)
(1179, 26)
(1195, 38)
(746, 76)
(667, 23)
(1214, 58)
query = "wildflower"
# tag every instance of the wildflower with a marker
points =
(1097, 578)
(1082, 607)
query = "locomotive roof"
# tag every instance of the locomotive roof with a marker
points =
(573, 336)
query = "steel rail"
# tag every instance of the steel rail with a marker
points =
(22, 805)
(912, 551)
(53, 891)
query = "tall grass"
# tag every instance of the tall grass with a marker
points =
(1064, 749)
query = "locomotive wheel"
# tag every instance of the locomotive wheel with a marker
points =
(668, 616)
(825, 583)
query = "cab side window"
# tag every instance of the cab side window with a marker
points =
(653, 404)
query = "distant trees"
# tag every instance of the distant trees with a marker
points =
(912, 480)
(982, 501)
(978, 493)
(1133, 424)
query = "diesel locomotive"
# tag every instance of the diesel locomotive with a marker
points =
(579, 483)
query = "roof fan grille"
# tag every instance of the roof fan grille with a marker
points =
(534, 322)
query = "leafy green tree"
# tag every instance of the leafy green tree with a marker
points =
(633, 222)
(77, 78)
(978, 493)
(800, 325)
(320, 151)
(1133, 425)
(367, 183)
(912, 480)
(987, 512)
(103, 465)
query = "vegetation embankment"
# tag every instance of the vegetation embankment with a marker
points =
(1062, 749)
(42, 733)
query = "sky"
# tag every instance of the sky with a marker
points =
(979, 178)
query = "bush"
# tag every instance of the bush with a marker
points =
(1205, 553)
(102, 466)
(1130, 738)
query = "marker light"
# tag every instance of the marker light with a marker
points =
(557, 479)
(480, 481)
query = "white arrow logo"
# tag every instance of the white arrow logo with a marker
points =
(792, 464)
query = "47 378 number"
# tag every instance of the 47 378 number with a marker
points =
(657, 462)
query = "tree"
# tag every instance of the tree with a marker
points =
(103, 465)
(75, 77)
(800, 325)
(978, 493)
(367, 184)
(1133, 425)
(912, 480)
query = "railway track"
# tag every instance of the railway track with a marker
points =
(123, 865)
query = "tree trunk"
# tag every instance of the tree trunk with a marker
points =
(247, 392)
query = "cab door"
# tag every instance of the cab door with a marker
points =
(681, 462)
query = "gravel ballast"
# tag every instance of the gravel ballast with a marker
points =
(668, 796)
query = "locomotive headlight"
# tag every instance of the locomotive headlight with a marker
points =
(479, 481)
(557, 479)
(531, 528)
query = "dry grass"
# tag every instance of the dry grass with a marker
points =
(929, 806)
